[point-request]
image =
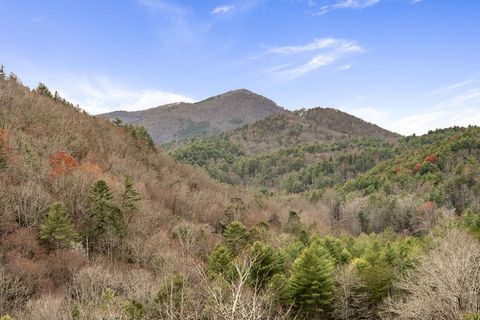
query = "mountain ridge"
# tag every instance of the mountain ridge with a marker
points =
(220, 113)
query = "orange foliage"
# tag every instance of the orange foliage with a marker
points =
(91, 168)
(62, 163)
(417, 167)
(427, 206)
(431, 158)
(4, 145)
(397, 170)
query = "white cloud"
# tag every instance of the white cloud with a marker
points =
(100, 94)
(345, 67)
(347, 4)
(459, 109)
(314, 45)
(303, 59)
(223, 9)
(451, 87)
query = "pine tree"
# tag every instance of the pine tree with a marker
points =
(130, 196)
(220, 262)
(57, 229)
(236, 236)
(266, 263)
(43, 90)
(103, 213)
(311, 283)
(2, 72)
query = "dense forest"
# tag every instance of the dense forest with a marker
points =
(97, 222)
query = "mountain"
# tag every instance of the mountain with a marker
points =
(180, 121)
(315, 125)
(293, 151)
(96, 223)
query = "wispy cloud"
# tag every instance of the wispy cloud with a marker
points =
(236, 6)
(302, 59)
(100, 94)
(223, 9)
(457, 107)
(162, 5)
(451, 87)
(345, 67)
(178, 24)
(347, 4)
(314, 45)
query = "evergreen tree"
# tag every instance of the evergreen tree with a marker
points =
(311, 283)
(130, 196)
(266, 263)
(236, 236)
(57, 230)
(220, 262)
(337, 250)
(103, 213)
(43, 90)
(2, 72)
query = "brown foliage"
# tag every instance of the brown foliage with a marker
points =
(61, 163)
(431, 158)
(446, 285)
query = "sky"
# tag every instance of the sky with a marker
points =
(409, 66)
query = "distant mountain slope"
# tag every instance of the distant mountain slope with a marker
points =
(180, 121)
(315, 125)
(295, 151)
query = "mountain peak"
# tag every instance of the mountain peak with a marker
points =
(221, 113)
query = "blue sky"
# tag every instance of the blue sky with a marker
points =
(409, 66)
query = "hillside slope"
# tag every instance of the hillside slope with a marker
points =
(315, 125)
(295, 151)
(180, 121)
(51, 152)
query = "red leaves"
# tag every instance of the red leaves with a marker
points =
(426, 207)
(417, 168)
(431, 158)
(61, 164)
(4, 145)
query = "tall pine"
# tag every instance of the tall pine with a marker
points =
(57, 230)
(236, 236)
(266, 263)
(311, 283)
(130, 196)
(103, 212)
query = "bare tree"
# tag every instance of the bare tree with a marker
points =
(237, 300)
(350, 302)
(445, 286)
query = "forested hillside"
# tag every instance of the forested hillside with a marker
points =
(97, 222)
(182, 121)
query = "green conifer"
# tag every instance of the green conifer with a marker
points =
(220, 262)
(266, 263)
(311, 282)
(103, 213)
(43, 90)
(57, 230)
(130, 196)
(236, 236)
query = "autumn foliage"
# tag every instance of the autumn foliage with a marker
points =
(431, 158)
(61, 163)
(417, 168)
(4, 147)
(427, 206)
